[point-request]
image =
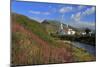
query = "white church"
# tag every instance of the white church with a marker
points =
(67, 31)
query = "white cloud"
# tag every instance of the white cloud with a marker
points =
(90, 25)
(65, 9)
(50, 6)
(39, 12)
(81, 7)
(76, 16)
(46, 13)
(35, 12)
(80, 15)
(36, 18)
(89, 11)
(83, 24)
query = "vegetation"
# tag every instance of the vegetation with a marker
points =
(31, 44)
(80, 55)
(87, 30)
(84, 39)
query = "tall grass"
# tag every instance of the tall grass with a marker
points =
(26, 50)
(35, 27)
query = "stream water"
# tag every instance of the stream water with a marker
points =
(89, 48)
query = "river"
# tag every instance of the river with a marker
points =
(89, 48)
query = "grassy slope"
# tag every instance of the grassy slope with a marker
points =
(51, 26)
(78, 53)
(32, 25)
(31, 44)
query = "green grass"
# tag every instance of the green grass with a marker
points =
(26, 50)
(80, 54)
(34, 26)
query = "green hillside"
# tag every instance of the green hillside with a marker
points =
(33, 26)
(32, 43)
(52, 26)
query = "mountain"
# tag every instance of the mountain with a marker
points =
(51, 25)
(31, 43)
(54, 26)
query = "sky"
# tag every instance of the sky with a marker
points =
(75, 15)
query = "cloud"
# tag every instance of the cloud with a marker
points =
(39, 12)
(90, 25)
(35, 12)
(81, 7)
(50, 6)
(83, 24)
(76, 16)
(65, 9)
(46, 13)
(89, 11)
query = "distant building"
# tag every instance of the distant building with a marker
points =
(83, 33)
(67, 31)
(70, 32)
(89, 34)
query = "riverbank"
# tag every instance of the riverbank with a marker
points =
(83, 39)
(80, 54)
(88, 47)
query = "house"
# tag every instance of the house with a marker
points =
(89, 34)
(70, 32)
(67, 31)
(83, 33)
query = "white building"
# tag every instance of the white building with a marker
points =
(70, 32)
(83, 33)
(67, 31)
